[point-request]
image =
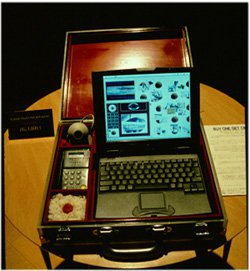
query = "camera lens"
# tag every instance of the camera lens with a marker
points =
(78, 135)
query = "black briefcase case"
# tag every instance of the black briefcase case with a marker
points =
(68, 225)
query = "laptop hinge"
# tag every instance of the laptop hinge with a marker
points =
(183, 148)
(113, 153)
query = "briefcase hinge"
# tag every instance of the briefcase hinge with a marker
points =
(201, 229)
(63, 234)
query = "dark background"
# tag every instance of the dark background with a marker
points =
(33, 36)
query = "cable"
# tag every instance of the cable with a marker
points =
(86, 119)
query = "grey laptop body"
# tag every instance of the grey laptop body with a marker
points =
(147, 124)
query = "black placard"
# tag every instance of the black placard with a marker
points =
(31, 124)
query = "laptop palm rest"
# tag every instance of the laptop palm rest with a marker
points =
(134, 204)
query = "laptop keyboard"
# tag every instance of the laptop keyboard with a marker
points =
(147, 175)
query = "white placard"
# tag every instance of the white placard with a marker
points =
(228, 150)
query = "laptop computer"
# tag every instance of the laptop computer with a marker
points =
(147, 132)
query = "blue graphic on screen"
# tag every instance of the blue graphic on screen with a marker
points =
(147, 106)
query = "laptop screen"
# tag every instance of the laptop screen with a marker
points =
(147, 106)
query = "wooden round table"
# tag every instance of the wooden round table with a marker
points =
(26, 165)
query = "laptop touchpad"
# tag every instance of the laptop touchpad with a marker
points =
(152, 201)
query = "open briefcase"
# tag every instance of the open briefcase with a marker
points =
(72, 217)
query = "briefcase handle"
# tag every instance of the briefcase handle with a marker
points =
(133, 254)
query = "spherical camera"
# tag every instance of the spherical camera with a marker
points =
(77, 132)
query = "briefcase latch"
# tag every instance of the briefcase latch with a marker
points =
(158, 228)
(161, 229)
(201, 229)
(106, 230)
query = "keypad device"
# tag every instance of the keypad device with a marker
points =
(74, 178)
(75, 169)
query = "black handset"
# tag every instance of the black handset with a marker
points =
(75, 169)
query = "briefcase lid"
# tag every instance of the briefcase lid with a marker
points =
(113, 49)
